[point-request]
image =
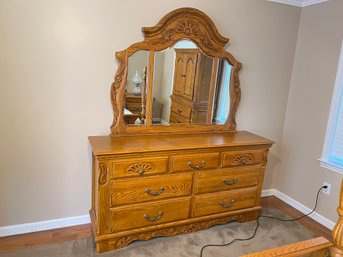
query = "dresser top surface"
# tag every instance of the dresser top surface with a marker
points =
(106, 145)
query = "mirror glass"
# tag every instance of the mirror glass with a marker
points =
(135, 91)
(221, 104)
(181, 85)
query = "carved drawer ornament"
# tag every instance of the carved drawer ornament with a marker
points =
(244, 158)
(140, 167)
(103, 173)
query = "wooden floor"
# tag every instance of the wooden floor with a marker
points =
(12, 243)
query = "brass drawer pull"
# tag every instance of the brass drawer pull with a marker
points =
(197, 167)
(141, 171)
(148, 218)
(228, 205)
(179, 110)
(149, 192)
(230, 182)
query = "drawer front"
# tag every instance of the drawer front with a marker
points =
(226, 179)
(151, 188)
(238, 158)
(224, 201)
(176, 118)
(181, 109)
(149, 214)
(134, 107)
(195, 161)
(139, 167)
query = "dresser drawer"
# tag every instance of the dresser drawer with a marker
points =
(134, 107)
(181, 109)
(150, 188)
(149, 214)
(176, 118)
(224, 201)
(246, 157)
(226, 179)
(139, 167)
(195, 161)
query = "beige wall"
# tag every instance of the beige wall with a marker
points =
(57, 64)
(316, 61)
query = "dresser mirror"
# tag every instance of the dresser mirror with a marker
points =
(179, 79)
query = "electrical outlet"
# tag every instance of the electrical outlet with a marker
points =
(328, 189)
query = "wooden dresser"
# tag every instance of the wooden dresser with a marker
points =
(165, 179)
(162, 185)
(192, 78)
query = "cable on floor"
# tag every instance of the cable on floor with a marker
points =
(258, 225)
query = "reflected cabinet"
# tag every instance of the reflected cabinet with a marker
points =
(192, 78)
(174, 162)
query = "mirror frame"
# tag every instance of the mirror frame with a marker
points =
(183, 23)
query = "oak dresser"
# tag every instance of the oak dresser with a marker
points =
(164, 185)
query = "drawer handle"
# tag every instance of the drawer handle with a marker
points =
(228, 205)
(230, 182)
(197, 167)
(178, 121)
(149, 192)
(179, 110)
(148, 218)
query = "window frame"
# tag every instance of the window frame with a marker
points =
(336, 102)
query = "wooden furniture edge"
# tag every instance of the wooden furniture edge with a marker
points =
(123, 238)
(337, 232)
(295, 249)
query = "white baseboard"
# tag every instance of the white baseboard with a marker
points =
(84, 219)
(43, 225)
(300, 207)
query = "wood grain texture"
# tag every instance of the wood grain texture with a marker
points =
(193, 162)
(337, 249)
(226, 179)
(138, 167)
(130, 217)
(183, 23)
(207, 204)
(237, 158)
(316, 247)
(123, 238)
(107, 145)
(37, 239)
(150, 189)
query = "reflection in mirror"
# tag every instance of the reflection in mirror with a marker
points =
(182, 79)
(135, 92)
(222, 94)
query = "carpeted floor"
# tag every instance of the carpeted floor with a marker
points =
(271, 233)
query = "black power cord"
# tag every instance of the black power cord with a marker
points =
(258, 225)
